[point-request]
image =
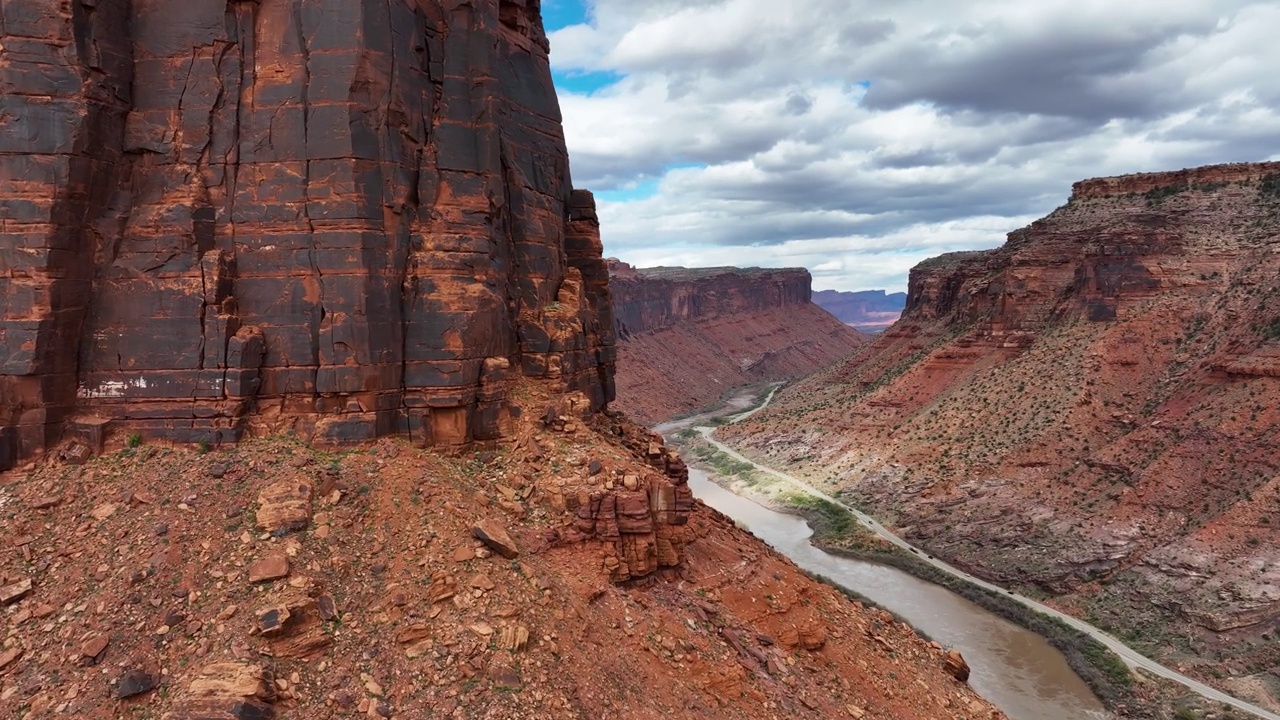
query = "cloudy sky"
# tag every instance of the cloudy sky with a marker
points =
(858, 137)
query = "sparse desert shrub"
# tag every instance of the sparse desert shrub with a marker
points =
(1156, 196)
(1270, 187)
(1272, 331)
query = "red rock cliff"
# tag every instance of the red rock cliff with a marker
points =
(1109, 247)
(1173, 180)
(341, 217)
(648, 299)
(688, 335)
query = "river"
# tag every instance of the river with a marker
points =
(1014, 668)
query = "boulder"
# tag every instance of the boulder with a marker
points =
(495, 537)
(135, 682)
(284, 506)
(956, 666)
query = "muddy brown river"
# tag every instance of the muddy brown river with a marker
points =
(1014, 668)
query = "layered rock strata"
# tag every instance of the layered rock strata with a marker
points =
(637, 516)
(688, 335)
(1089, 408)
(652, 299)
(342, 218)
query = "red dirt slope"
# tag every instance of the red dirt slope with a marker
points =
(274, 580)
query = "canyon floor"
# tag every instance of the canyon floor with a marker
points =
(1086, 414)
(1145, 689)
(273, 579)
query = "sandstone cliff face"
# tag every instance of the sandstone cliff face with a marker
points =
(344, 218)
(653, 299)
(1090, 408)
(688, 335)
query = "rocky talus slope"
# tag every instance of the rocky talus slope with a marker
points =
(1090, 410)
(272, 580)
(686, 336)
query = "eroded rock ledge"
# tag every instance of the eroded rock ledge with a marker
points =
(1188, 178)
(340, 217)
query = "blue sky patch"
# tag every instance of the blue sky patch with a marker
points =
(583, 83)
(558, 14)
(633, 191)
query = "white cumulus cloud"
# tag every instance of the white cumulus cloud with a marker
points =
(857, 138)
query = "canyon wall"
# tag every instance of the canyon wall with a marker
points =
(653, 299)
(1090, 409)
(685, 336)
(343, 218)
(867, 310)
(1175, 181)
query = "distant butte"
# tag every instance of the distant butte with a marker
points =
(866, 310)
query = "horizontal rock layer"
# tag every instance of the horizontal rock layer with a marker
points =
(688, 335)
(1178, 179)
(650, 299)
(344, 218)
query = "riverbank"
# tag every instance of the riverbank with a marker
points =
(1013, 668)
(839, 530)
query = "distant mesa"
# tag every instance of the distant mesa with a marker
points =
(687, 335)
(867, 310)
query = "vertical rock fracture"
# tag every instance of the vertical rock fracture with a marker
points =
(344, 218)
